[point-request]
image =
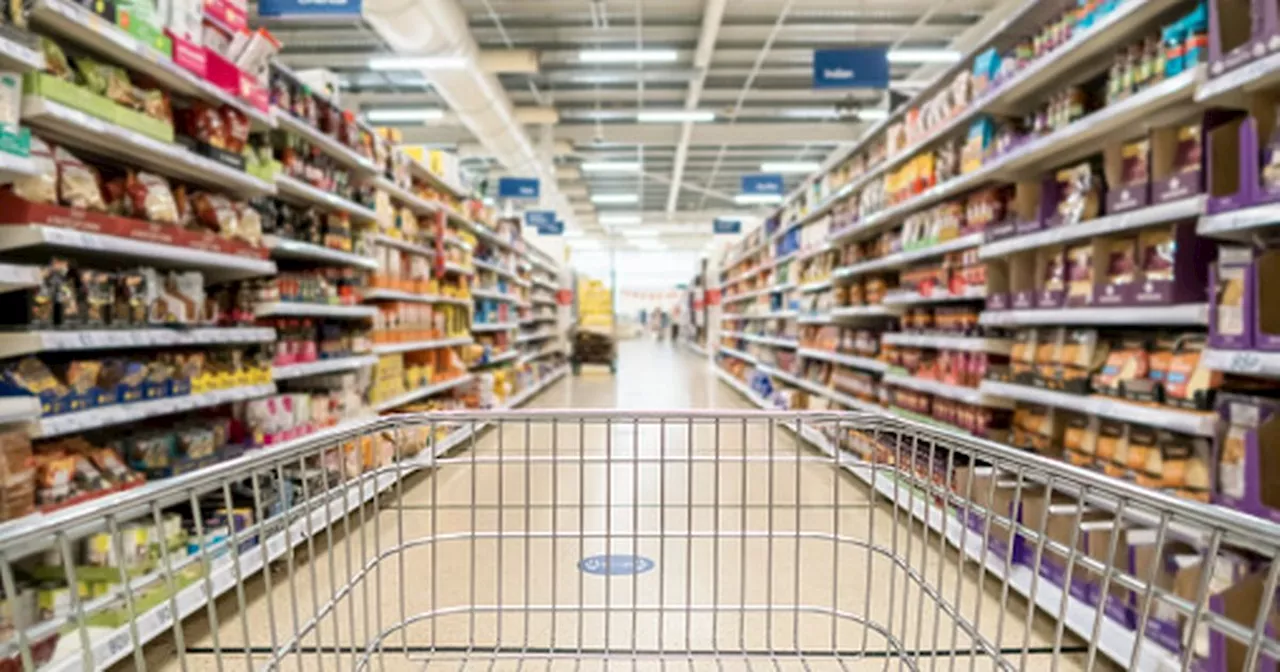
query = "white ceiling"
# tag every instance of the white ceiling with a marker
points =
(757, 81)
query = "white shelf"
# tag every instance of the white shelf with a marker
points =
(79, 130)
(1229, 88)
(458, 268)
(299, 190)
(500, 326)
(809, 318)
(776, 315)
(969, 395)
(330, 146)
(536, 388)
(495, 268)
(898, 298)
(821, 390)
(416, 203)
(18, 57)
(535, 356)
(217, 265)
(763, 340)
(397, 295)
(1239, 224)
(13, 344)
(18, 409)
(410, 346)
(1183, 209)
(283, 248)
(421, 171)
(543, 301)
(1179, 315)
(864, 363)
(13, 167)
(383, 239)
(81, 26)
(900, 259)
(1246, 362)
(739, 354)
(742, 389)
(545, 284)
(485, 233)
(482, 293)
(811, 287)
(17, 276)
(864, 311)
(291, 309)
(322, 367)
(996, 346)
(499, 358)
(535, 336)
(1185, 422)
(119, 414)
(422, 393)
(813, 251)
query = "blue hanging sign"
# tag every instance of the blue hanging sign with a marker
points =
(539, 218)
(726, 226)
(616, 565)
(765, 183)
(309, 8)
(552, 228)
(864, 68)
(523, 188)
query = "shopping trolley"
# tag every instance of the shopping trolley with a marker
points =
(565, 539)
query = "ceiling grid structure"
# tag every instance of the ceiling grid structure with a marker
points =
(733, 61)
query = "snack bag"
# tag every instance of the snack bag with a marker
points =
(79, 185)
(43, 186)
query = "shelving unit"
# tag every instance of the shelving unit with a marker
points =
(923, 268)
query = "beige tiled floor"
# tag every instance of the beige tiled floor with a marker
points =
(729, 578)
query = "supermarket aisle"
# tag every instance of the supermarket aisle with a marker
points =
(608, 496)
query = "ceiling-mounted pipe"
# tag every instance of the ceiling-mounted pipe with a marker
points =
(440, 28)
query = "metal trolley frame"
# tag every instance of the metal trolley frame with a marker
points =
(580, 537)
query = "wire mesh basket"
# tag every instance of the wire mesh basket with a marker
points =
(646, 539)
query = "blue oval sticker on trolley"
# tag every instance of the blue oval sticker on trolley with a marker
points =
(616, 565)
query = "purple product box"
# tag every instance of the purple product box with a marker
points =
(1024, 299)
(1266, 325)
(1192, 257)
(1252, 427)
(1236, 30)
(1232, 144)
(1128, 198)
(1178, 187)
(1049, 197)
(1232, 299)
(1003, 229)
(998, 301)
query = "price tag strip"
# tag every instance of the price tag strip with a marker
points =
(105, 416)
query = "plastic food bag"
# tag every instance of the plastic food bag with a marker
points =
(55, 60)
(43, 186)
(79, 185)
(215, 213)
(151, 199)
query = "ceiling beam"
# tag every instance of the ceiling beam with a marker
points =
(720, 134)
(712, 16)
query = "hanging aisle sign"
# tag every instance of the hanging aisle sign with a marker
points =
(726, 226)
(309, 8)
(523, 188)
(762, 184)
(544, 222)
(851, 68)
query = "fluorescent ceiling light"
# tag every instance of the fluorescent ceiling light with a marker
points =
(873, 115)
(586, 245)
(675, 116)
(924, 56)
(418, 63)
(640, 233)
(610, 167)
(615, 199)
(811, 113)
(620, 219)
(790, 167)
(627, 56)
(419, 115)
(757, 199)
